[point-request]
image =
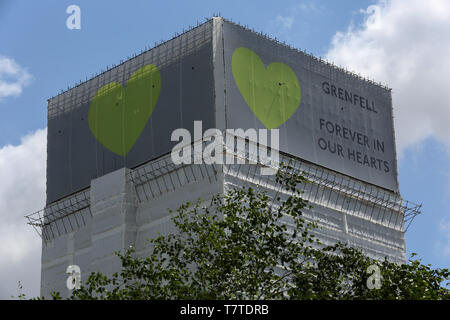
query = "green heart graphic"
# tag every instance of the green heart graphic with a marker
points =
(117, 116)
(273, 94)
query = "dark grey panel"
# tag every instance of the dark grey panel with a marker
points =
(302, 134)
(75, 157)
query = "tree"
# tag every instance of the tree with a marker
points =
(238, 246)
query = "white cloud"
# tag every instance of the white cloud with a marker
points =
(13, 78)
(22, 191)
(307, 7)
(284, 22)
(444, 245)
(405, 44)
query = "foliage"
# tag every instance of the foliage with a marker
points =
(239, 246)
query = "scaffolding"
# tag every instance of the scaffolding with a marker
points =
(332, 189)
(162, 55)
(62, 217)
(161, 176)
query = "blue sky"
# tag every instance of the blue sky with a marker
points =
(399, 43)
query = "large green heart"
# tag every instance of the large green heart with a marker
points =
(273, 94)
(117, 116)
